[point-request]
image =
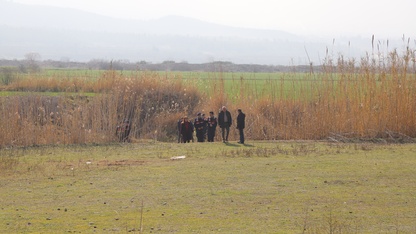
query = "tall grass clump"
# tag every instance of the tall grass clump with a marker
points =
(353, 99)
(151, 103)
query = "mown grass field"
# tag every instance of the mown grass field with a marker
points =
(260, 187)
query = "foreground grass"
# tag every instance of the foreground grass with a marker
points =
(263, 187)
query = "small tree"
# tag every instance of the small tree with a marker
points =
(32, 60)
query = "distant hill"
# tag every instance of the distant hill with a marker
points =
(44, 17)
(57, 33)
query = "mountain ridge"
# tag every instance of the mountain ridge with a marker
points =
(48, 17)
(56, 32)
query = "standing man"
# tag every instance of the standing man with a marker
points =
(200, 127)
(225, 121)
(186, 130)
(206, 126)
(241, 123)
(212, 125)
(179, 130)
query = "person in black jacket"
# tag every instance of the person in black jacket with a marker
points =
(187, 129)
(241, 124)
(200, 127)
(212, 125)
(225, 121)
(179, 130)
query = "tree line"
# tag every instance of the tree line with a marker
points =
(33, 63)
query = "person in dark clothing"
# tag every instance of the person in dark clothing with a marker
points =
(225, 122)
(241, 123)
(212, 125)
(123, 131)
(179, 130)
(186, 130)
(200, 127)
(206, 126)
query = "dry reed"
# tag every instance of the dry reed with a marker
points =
(151, 103)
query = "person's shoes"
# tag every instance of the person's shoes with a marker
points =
(223, 141)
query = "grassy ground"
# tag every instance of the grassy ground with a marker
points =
(260, 187)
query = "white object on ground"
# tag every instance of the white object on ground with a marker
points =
(178, 157)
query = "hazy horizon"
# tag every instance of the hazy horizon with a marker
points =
(295, 32)
(383, 18)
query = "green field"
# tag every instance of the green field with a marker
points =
(254, 84)
(261, 187)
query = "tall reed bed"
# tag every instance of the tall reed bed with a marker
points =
(150, 102)
(348, 99)
(365, 99)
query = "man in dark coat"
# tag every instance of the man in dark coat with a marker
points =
(187, 130)
(241, 124)
(200, 127)
(206, 126)
(225, 121)
(179, 130)
(212, 125)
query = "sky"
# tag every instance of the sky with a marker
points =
(390, 19)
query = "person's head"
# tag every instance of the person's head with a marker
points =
(198, 114)
(240, 111)
(224, 108)
(185, 118)
(211, 113)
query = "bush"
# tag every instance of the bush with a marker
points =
(7, 75)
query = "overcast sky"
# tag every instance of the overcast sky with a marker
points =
(384, 18)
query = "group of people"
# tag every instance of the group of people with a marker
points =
(206, 127)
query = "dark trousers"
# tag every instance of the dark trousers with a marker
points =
(225, 131)
(211, 134)
(200, 135)
(186, 138)
(241, 131)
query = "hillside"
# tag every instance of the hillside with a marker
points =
(57, 33)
